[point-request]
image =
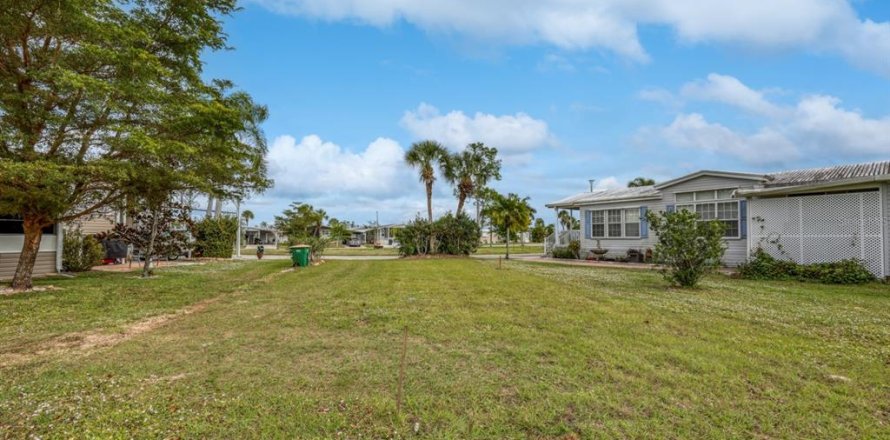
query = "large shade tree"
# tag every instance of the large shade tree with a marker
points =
(425, 156)
(511, 214)
(471, 170)
(101, 99)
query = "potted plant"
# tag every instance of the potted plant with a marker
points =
(260, 250)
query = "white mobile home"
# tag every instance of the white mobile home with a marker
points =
(808, 216)
(49, 259)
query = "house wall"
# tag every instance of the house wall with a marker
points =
(885, 211)
(11, 247)
(736, 249)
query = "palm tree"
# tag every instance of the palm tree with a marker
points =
(640, 181)
(471, 170)
(424, 156)
(247, 215)
(511, 213)
(568, 222)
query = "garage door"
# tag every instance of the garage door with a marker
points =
(820, 228)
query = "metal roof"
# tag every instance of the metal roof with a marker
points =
(606, 195)
(828, 174)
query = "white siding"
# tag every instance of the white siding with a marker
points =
(736, 251)
(885, 192)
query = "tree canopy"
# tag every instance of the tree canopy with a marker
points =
(640, 181)
(471, 170)
(424, 156)
(510, 213)
(102, 99)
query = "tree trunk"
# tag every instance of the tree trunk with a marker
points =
(460, 204)
(508, 240)
(429, 200)
(146, 268)
(209, 205)
(24, 270)
(218, 212)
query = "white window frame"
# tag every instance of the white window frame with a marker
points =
(605, 224)
(692, 207)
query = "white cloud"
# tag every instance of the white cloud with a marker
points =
(512, 135)
(816, 125)
(610, 182)
(729, 90)
(830, 26)
(763, 147)
(314, 167)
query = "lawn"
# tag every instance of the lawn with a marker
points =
(528, 351)
(529, 248)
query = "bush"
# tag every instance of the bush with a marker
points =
(688, 248)
(457, 235)
(81, 252)
(215, 237)
(450, 235)
(570, 252)
(764, 266)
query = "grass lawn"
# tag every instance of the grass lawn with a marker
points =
(530, 248)
(529, 351)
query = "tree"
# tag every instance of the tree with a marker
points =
(640, 181)
(157, 231)
(687, 247)
(471, 170)
(568, 222)
(511, 213)
(300, 221)
(339, 230)
(540, 231)
(423, 156)
(247, 215)
(97, 96)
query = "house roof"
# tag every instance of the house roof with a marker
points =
(607, 195)
(828, 174)
(714, 173)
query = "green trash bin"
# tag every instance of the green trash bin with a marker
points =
(299, 255)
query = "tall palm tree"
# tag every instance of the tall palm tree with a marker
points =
(511, 213)
(471, 170)
(247, 215)
(424, 156)
(640, 181)
(566, 220)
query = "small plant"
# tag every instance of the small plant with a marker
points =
(687, 247)
(570, 252)
(763, 266)
(215, 237)
(81, 252)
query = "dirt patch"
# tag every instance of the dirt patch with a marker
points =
(7, 291)
(80, 343)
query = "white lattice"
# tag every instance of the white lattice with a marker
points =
(820, 228)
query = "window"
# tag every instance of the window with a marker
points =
(632, 222)
(598, 224)
(713, 205)
(11, 224)
(615, 223)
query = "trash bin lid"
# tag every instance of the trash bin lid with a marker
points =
(300, 246)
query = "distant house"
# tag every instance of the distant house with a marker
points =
(258, 235)
(808, 216)
(49, 258)
(383, 235)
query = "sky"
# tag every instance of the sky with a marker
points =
(567, 90)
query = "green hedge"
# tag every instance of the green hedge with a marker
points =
(215, 237)
(80, 253)
(449, 235)
(764, 266)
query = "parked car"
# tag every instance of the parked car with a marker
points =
(354, 243)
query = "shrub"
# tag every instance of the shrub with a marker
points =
(80, 252)
(414, 238)
(764, 266)
(449, 235)
(457, 235)
(215, 237)
(563, 253)
(688, 248)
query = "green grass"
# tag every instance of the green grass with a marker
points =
(529, 351)
(531, 248)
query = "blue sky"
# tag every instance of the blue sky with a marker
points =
(568, 90)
